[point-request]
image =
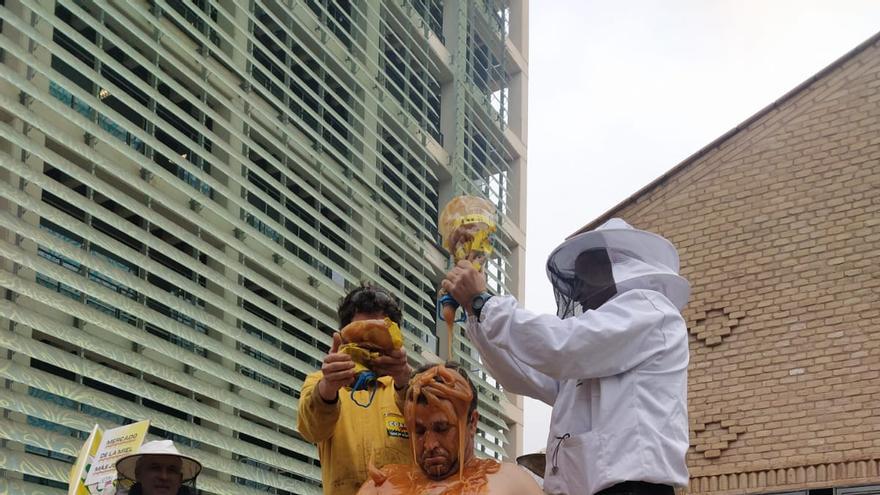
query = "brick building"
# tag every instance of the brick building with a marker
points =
(778, 227)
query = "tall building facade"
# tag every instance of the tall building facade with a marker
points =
(776, 224)
(189, 187)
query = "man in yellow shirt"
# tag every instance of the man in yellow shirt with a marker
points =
(349, 435)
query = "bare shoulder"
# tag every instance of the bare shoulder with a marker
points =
(514, 480)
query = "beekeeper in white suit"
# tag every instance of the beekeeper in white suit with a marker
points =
(612, 364)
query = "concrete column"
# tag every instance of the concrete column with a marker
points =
(237, 16)
(370, 133)
(453, 93)
(519, 26)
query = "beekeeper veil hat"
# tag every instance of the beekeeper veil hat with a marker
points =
(126, 467)
(588, 269)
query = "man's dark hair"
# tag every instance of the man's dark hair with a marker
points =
(368, 298)
(452, 365)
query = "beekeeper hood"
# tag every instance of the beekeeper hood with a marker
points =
(590, 268)
(127, 468)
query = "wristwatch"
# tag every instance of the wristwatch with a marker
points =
(478, 302)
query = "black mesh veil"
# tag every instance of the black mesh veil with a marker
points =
(126, 486)
(564, 286)
(586, 285)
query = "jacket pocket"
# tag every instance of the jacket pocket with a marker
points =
(576, 464)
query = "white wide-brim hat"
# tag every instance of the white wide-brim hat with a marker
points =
(616, 235)
(125, 466)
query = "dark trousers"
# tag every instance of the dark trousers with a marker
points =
(637, 488)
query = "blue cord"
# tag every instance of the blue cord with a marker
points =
(365, 380)
(447, 300)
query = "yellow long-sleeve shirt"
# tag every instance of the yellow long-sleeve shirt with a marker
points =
(348, 435)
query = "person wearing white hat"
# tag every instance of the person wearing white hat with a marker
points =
(612, 363)
(157, 468)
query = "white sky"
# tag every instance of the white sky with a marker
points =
(622, 91)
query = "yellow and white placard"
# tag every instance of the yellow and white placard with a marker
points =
(113, 444)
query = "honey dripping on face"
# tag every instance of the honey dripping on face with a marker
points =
(440, 396)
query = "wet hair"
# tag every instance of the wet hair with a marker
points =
(452, 365)
(368, 298)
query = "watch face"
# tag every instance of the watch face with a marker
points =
(478, 302)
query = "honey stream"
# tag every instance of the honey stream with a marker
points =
(449, 318)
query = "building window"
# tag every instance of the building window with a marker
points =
(319, 102)
(336, 15)
(432, 12)
(409, 80)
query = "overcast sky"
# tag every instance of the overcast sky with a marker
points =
(620, 91)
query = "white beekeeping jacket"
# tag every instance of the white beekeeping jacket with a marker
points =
(616, 377)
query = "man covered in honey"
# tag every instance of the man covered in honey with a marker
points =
(441, 416)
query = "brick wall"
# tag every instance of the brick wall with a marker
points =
(778, 229)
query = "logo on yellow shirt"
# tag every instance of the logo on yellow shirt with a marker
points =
(395, 425)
